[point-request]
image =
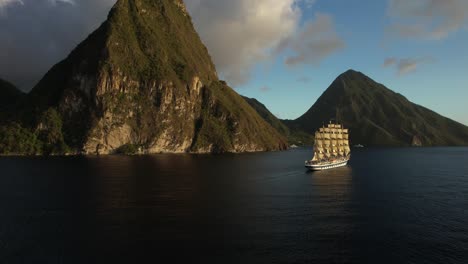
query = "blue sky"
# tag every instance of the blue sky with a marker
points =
(285, 53)
(440, 84)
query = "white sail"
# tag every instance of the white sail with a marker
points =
(331, 147)
(315, 158)
(319, 142)
(318, 135)
(347, 149)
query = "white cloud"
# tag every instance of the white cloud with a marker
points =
(303, 79)
(265, 89)
(241, 33)
(406, 65)
(36, 34)
(6, 3)
(427, 19)
(309, 3)
(315, 41)
(54, 2)
(390, 62)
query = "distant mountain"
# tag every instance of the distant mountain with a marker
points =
(267, 115)
(9, 93)
(295, 136)
(378, 116)
(144, 81)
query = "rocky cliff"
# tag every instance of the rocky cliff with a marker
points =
(145, 80)
(378, 116)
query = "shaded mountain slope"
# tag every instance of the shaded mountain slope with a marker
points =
(267, 115)
(10, 97)
(295, 136)
(378, 116)
(145, 81)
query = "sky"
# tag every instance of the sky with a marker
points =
(284, 53)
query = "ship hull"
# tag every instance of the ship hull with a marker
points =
(326, 166)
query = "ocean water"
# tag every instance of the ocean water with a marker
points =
(402, 205)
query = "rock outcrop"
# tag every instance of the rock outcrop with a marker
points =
(145, 79)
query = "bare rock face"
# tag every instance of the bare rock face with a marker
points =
(416, 142)
(145, 79)
(182, 6)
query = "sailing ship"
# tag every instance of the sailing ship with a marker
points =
(331, 148)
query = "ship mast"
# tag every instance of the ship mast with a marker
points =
(331, 142)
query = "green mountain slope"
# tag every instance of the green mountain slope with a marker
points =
(295, 136)
(145, 81)
(267, 115)
(378, 116)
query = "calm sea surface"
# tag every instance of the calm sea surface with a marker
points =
(387, 206)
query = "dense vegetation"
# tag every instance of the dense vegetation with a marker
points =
(294, 135)
(47, 138)
(378, 116)
(231, 117)
(150, 39)
(144, 82)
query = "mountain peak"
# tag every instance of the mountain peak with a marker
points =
(378, 116)
(147, 6)
(352, 74)
(145, 79)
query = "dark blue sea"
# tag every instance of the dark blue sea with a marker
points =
(402, 205)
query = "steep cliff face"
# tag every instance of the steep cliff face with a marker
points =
(145, 79)
(378, 116)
